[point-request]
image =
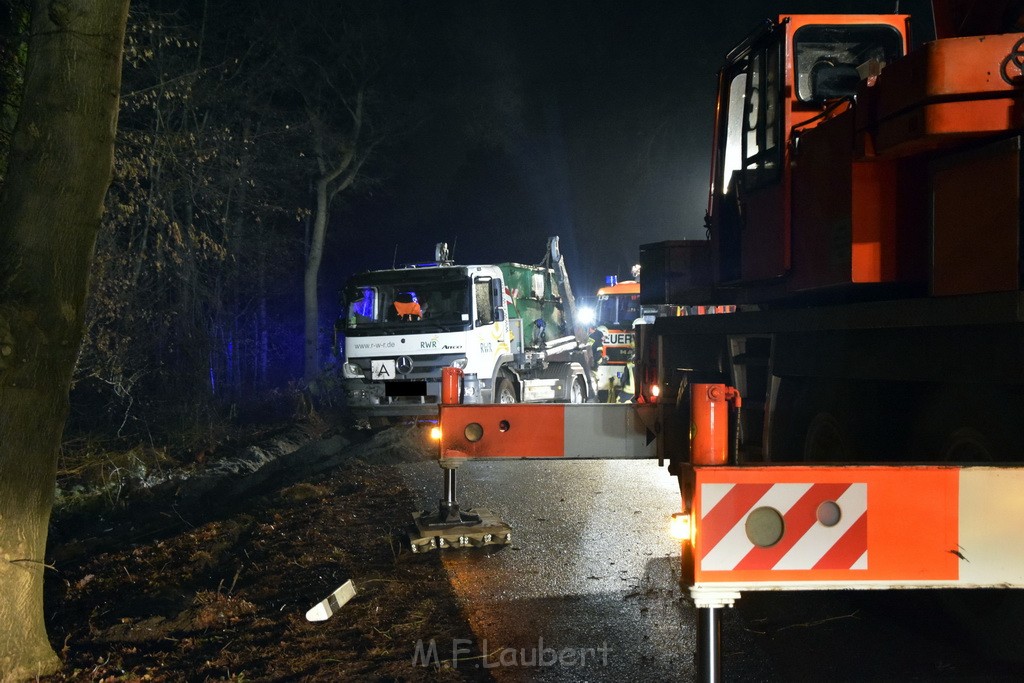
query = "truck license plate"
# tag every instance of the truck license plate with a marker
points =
(382, 369)
(405, 388)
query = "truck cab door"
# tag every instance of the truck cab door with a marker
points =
(747, 219)
(489, 300)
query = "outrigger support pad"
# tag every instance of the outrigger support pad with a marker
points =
(487, 529)
(451, 527)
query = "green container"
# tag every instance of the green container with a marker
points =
(534, 295)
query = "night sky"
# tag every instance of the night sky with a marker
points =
(590, 120)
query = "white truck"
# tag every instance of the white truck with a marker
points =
(508, 326)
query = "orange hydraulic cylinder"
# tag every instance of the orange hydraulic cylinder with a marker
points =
(709, 423)
(451, 386)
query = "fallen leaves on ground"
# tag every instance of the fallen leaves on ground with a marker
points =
(226, 600)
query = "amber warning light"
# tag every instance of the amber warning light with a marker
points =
(680, 527)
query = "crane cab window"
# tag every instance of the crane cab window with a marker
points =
(830, 60)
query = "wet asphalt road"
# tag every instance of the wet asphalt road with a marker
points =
(592, 578)
(591, 570)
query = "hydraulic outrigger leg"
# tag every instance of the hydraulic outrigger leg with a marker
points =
(449, 526)
(710, 446)
(709, 635)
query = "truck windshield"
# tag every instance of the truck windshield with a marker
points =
(409, 306)
(618, 309)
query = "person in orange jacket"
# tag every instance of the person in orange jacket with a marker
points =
(407, 307)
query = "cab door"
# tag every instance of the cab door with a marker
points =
(747, 217)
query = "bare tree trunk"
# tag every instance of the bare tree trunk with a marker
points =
(334, 178)
(241, 284)
(316, 254)
(263, 333)
(60, 165)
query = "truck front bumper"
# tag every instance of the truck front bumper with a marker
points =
(366, 398)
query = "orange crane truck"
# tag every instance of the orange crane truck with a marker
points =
(856, 421)
(865, 218)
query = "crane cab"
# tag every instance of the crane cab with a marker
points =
(785, 78)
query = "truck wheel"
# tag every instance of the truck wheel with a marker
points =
(577, 392)
(826, 440)
(967, 444)
(808, 422)
(785, 442)
(966, 425)
(505, 391)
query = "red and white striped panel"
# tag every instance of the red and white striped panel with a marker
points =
(889, 525)
(898, 526)
(806, 543)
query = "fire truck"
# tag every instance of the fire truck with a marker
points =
(617, 309)
(856, 420)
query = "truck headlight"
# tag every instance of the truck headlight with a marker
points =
(586, 316)
(460, 363)
(352, 371)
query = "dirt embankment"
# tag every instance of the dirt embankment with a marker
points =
(207, 575)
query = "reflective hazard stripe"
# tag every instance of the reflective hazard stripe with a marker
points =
(899, 526)
(894, 524)
(807, 544)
